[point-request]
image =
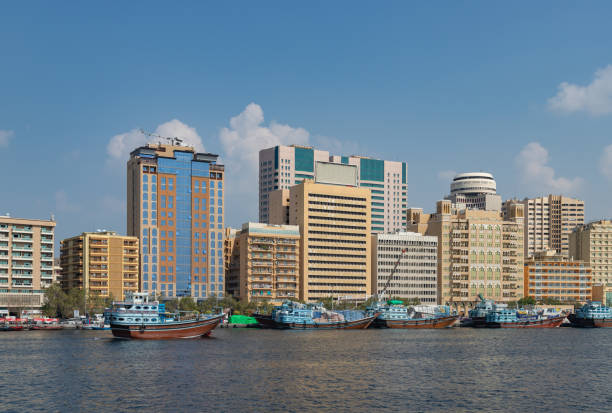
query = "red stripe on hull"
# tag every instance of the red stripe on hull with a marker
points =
(547, 323)
(441, 322)
(344, 325)
(186, 329)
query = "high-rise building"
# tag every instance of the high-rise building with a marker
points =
(552, 275)
(282, 167)
(175, 206)
(26, 263)
(478, 252)
(416, 274)
(548, 222)
(264, 263)
(475, 190)
(335, 243)
(592, 243)
(102, 263)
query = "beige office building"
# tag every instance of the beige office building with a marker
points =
(103, 263)
(26, 263)
(552, 275)
(548, 222)
(335, 224)
(592, 243)
(264, 263)
(479, 252)
(415, 276)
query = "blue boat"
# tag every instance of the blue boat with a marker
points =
(512, 318)
(394, 314)
(292, 315)
(592, 314)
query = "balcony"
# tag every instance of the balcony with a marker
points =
(26, 248)
(46, 241)
(14, 265)
(22, 276)
(22, 230)
(46, 231)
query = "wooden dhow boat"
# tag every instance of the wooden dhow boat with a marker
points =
(296, 316)
(141, 318)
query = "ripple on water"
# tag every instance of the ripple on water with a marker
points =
(262, 370)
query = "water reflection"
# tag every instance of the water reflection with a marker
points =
(265, 370)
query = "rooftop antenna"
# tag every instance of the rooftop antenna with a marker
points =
(172, 140)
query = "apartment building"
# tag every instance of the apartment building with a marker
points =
(592, 243)
(175, 206)
(282, 167)
(26, 263)
(549, 274)
(102, 263)
(334, 221)
(479, 252)
(549, 220)
(416, 273)
(264, 263)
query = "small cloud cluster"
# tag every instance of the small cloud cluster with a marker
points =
(532, 163)
(5, 137)
(120, 146)
(594, 98)
(247, 135)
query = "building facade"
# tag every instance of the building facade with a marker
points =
(549, 221)
(26, 263)
(478, 252)
(592, 243)
(101, 263)
(264, 263)
(555, 276)
(175, 206)
(475, 190)
(416, 274)
(282, 167)
(335, 240)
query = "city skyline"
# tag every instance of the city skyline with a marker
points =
(539, 125)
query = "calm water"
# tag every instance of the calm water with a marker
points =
(240, 370)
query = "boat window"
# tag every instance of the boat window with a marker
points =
(114, 318)
(138, 307)
(138, 319)
(153, 308)
(145, 308)
(121, 319)
(154, 319)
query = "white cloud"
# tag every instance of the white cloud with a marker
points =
(120, 146)
(594, 98)
(605, 163)
(242, 140)
(247, 135)
(532, 163)
(446, 175)
(5, 137)
(63, 204)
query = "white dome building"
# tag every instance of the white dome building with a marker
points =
(475, 190)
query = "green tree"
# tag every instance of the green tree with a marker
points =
(526, 301)
(187, 304)
(55, 301)
(551, 301)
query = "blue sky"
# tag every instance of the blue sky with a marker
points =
(522, 90)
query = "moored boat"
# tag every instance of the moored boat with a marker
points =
(511, 318)
(296, 316)
(265, 320)
(13, 324)
(592, 314)
(394, 314)
(45, 324)
(140, 318)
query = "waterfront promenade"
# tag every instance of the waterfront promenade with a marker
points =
(561, 370)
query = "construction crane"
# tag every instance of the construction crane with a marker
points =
(173, 140)
(384, 290)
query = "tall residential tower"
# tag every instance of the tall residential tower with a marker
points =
(282, 167)
(175, 207)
